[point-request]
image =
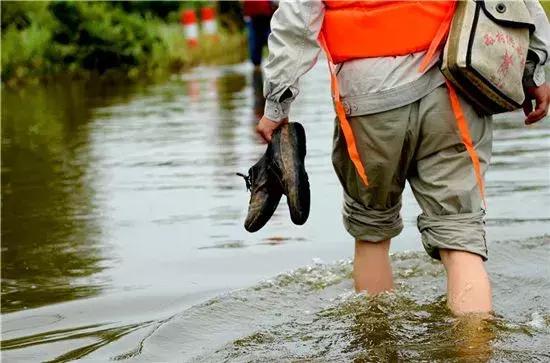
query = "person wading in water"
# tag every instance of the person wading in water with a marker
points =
(399, 127)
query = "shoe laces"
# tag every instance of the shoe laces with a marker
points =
(247, 180)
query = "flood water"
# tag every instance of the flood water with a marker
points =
(122, 236)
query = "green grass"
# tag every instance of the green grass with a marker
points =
(41, 40)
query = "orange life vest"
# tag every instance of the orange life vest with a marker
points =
(376, 28)
(380, 28)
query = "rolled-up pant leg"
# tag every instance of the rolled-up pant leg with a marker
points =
(442, 177)
(384, 144)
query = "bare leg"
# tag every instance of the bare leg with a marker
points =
(371, 267)
(468, 286)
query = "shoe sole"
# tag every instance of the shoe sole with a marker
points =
(261, 210)
(295, 179)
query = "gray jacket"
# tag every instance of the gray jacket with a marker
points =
(367, 85)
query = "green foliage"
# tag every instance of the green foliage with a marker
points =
(79, 38)
(161, 9)
(26, 35)
(21, 14)
(97, 36)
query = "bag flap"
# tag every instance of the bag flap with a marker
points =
(511, 13)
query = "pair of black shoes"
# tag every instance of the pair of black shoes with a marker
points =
(281, 170)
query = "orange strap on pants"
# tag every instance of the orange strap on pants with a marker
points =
(466, 139)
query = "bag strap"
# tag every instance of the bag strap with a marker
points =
(341, 113)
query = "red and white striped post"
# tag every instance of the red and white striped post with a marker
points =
(208, 17)
(190, 28)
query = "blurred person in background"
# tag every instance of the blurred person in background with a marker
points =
(258, 14)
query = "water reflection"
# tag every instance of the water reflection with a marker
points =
(258, 90)
(49, 231)
(76, 154)
(231, 93)
(228, 88)
(228, 85)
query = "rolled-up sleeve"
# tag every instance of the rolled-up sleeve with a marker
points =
(293, 50)
(539, 44)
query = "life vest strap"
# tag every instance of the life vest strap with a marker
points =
(438, 38)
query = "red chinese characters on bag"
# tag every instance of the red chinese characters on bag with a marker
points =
(514, 54)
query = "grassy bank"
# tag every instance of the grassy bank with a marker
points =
(48, 39)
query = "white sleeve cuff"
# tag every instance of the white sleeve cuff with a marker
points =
(276, 111)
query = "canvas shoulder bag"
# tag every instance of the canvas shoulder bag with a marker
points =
(485, 53)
